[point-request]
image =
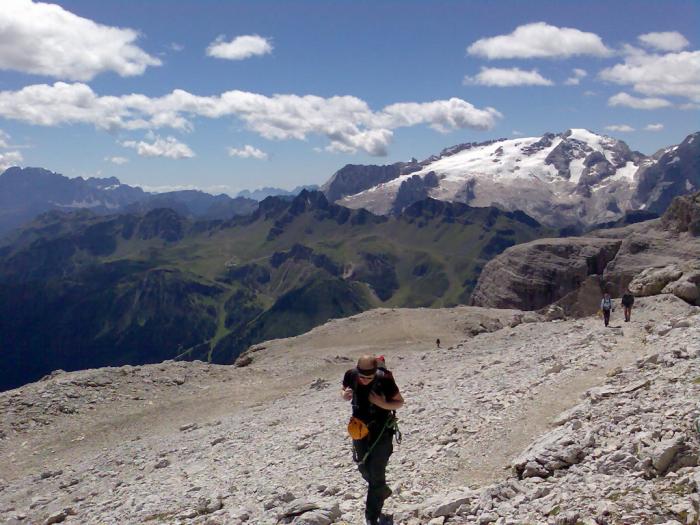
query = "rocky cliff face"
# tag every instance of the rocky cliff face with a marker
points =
(533, 275)
(650, 256)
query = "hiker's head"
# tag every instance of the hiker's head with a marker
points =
(367, 369)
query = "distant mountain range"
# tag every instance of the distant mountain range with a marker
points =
(82, 290)
(576, 179)
(263, 193)
(27, 192)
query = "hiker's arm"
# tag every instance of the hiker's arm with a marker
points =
(346, 393)
(394, 403)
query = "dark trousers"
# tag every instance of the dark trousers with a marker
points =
(628, 313)
(373, 470)
(606, 316)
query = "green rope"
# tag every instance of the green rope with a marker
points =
(390, 422)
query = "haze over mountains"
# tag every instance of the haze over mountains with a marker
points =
(25, 193)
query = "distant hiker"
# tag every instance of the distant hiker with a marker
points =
(374, 397)
(438, 342)
(606, 305)
(627, 302)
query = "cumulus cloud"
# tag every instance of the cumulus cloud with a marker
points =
(622, 128)
(665, 41)
(247, 152)
(672, 74)
(9, 159)
(653, 127)
(168, 147)
(347, 122)
(4, 138)
(239, 48)
(624, 99)
(540, 40)
(117, 160)
(45, 39)
(575, 78)
(507, 77)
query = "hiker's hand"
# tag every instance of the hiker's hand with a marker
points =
(378, 400)
(347, 394)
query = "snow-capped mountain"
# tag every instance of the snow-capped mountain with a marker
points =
(576, 178)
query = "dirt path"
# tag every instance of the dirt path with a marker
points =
(487, 463)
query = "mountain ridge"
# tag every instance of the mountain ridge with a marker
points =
(575, 179)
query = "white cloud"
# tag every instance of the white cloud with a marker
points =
(653, 127)
(517, 133)
(9, 159)
(665, 41)
(672, 74)
(576, 77)
(624, 99)
(174, 46)
(4, 138)
(247, 152)
(507, 77)
(689, 106)
(239, 48)
(117, 160)
(540, 40)
(346, 121)
(45, 39)
(622, 128)
(161, 147)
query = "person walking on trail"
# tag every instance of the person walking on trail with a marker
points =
(627, 302)
(606, 305)
(374, 397)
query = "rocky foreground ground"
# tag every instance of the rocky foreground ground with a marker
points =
(515, 420)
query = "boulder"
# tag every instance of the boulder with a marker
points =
(653, 280)
(447, 505)
(686, 288)
(558, 449)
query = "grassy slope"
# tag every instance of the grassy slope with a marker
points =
(179, 294)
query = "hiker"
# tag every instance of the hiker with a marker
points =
(627, 302)
(606, 305)
(438, 342)
(374, 397)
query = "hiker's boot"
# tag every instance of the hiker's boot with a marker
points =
(385, 519)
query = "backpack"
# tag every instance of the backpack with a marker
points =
(607, 303)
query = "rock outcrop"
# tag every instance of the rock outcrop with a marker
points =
(652, 257)
(533, 275)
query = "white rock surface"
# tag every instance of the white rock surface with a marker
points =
(267, 442)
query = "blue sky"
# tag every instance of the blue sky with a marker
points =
(224, 95)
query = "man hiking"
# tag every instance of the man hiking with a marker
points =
(374, 397)
(627, 302)
(606, 305)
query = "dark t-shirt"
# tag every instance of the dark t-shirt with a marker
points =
(383, 383)
(627, 299)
